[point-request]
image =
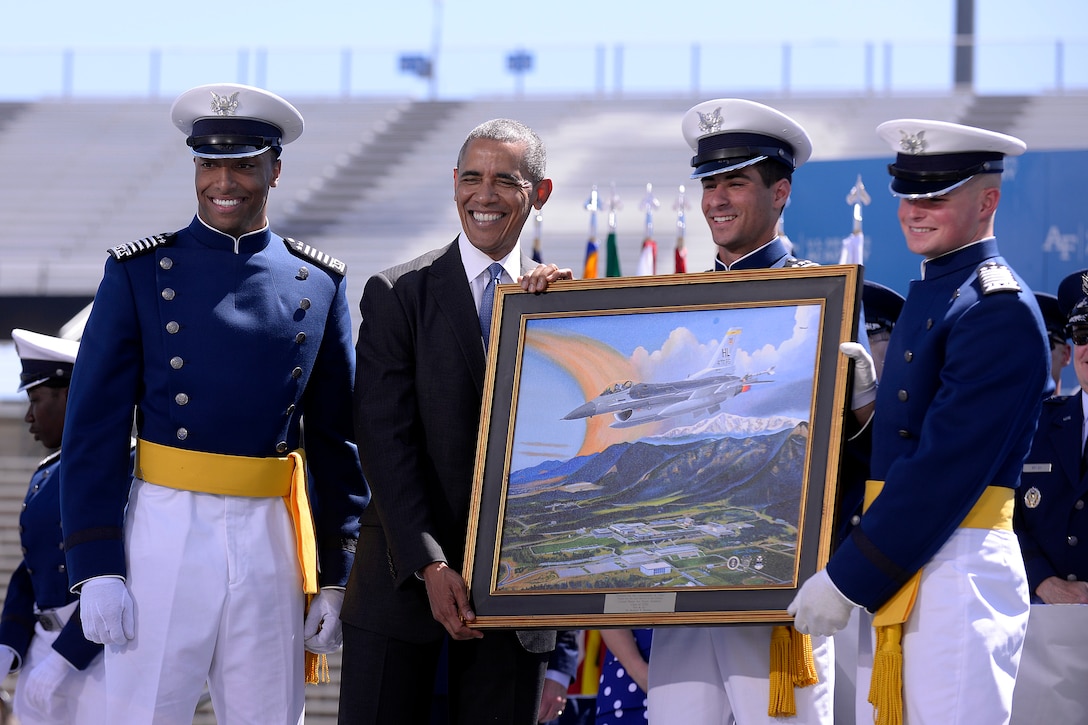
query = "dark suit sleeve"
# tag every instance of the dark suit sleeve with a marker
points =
(565, 656)
(389, 430)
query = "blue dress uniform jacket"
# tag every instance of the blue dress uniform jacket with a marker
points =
(223, 346)
(1051, 521)
(964, 377)
(41, 579)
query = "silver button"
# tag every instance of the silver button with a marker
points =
(61, 568)
(182, 434)
(1071, 578)
(908, 356)
(929, 324)
(904, 434)
(304, 303)
(166, 263)
(181, 399)
(281, 447)
(168, 294)
(303, 273)
(855, 520)
(176, 362)
(300, 338)
(172, 327)
(1072, 540)
(296, 373)
(1079, 505)
(902, 394)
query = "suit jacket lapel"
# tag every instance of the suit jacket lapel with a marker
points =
(453, 297)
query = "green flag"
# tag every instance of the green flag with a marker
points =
(613, 269)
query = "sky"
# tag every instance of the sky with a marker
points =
(465, 23)
(458, 28)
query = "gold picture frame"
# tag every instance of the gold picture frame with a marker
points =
(659, 450)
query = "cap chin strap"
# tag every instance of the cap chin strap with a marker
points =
(251, 145)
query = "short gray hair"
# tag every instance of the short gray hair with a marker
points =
(509, 131)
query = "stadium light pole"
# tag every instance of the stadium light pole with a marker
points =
(964, 45)
(436, 42)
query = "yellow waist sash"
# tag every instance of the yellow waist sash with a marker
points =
(993, 510)
(239, 476)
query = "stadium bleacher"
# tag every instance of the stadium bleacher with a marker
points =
(370, 182)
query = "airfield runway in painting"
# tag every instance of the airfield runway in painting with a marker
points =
(662, 449)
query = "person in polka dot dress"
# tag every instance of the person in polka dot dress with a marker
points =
(621, 697)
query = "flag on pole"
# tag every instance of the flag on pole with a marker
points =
(538, 222)
(612, 268)
(680, 258)
(647, 261)
(592, 206)
(613, 262)
(853, 246)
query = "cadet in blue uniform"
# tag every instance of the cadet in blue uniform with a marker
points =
(1053, 530)
(966, 370)
(224, 339)
(1051, 520)
(745, 155)
(61, 673)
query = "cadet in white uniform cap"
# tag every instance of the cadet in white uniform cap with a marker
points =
(745, 157)
(966, 370)
(61, 675)
(223, 338)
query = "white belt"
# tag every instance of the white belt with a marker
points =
(53, 620)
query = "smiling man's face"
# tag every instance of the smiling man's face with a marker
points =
(494, 195)
(232, 193)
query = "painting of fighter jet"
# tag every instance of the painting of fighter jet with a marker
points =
(699, 395)
(660, 451)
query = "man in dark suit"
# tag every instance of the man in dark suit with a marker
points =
(419, 386)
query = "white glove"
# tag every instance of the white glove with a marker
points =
(322, 630)
(42, 683)
(8, 659)
(819, 607)
(105, 610)
(864, 373)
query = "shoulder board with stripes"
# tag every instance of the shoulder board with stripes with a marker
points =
(142, 246)
(301, 249)
(994, 277)
(795, 262)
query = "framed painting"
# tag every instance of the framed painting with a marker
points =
(659, 450)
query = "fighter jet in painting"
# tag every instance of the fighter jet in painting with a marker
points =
(699, 395)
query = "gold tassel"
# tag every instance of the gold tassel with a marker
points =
(781, 702)
(804, 664)
(316, 666)
(886, 685)
(317, 669)
(792, 665)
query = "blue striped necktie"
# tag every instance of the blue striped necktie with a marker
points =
(488, 301)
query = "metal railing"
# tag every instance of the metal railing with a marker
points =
(790, 68)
